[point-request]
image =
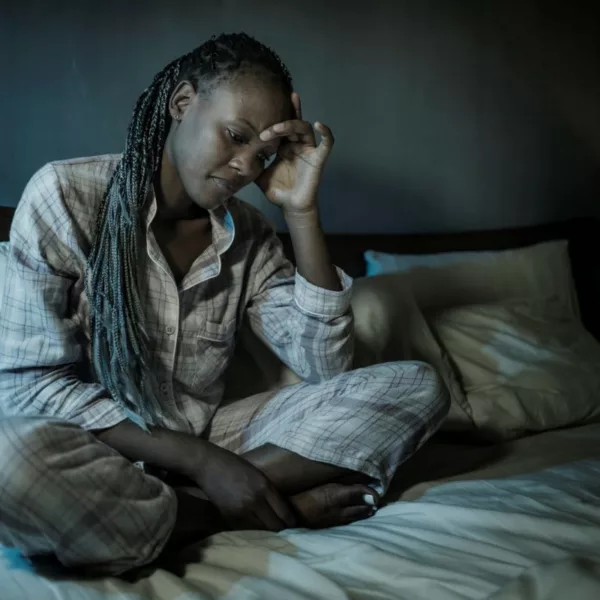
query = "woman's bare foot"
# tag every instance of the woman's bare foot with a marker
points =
(335, 504)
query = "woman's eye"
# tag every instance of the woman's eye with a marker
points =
(238, 139)
(265, 158)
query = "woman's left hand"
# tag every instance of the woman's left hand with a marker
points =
(291, 181)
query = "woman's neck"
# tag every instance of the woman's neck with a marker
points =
(173, 204)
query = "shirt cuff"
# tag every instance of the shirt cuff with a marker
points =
(320, 302)
(102, 414)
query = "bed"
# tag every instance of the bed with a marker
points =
(509, 516)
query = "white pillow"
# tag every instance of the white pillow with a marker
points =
(524, 367)
(446, 280)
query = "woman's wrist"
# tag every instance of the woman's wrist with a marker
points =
(171, 450)
(193, 458)
(303, 218)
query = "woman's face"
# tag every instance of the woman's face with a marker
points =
(214, 144)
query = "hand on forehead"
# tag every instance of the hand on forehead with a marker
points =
(264, 109)
(294, 127)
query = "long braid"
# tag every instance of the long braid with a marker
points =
(120, 353)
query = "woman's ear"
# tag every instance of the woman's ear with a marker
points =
(181, 98)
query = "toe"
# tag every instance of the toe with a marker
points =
(355, 495)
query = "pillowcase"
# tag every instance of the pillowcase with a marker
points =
(388, 327)
(446, 280)
(524, 367)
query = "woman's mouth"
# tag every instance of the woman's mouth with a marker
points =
(226, 185)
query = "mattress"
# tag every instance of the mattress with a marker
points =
(517, 521)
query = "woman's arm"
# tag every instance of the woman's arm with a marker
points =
(292, 182)
(305, 320)
(41, 353)
(169, 450)
(239, 490)
(312, 256)
(308, 326)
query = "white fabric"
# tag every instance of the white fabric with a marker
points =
(449, 279)
(518, 361)
(577, 578)
(524, 537)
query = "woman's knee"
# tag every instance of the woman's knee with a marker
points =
(405, 380)
(27, 445)
(46, 465)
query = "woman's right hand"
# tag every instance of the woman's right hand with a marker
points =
(241, 492)
(245, 497)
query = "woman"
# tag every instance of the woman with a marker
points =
(127, 282)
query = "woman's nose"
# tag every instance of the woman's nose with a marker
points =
(246, 164)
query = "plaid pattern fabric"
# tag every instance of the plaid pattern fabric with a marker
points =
(192, 328)
(93, 508)
(62, 492)
(369, 420)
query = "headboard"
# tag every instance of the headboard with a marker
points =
(583, 236)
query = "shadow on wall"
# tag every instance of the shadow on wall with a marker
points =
(356, 201)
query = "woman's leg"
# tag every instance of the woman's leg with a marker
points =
(62, 492)
(363, 423)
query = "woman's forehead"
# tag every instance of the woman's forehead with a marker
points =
(247, 98)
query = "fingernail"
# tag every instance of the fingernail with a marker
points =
(369, 499)
(264, 135)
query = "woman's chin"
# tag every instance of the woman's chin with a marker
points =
(213, 203)
(209, 201)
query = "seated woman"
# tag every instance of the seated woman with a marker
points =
(127, 281)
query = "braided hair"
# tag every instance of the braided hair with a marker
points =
(120, 353)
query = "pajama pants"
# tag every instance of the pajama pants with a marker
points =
(65, 493)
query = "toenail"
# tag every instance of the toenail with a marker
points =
(369, 499)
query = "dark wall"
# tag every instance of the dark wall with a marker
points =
(448, 115)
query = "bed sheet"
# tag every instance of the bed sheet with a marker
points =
(525, 526)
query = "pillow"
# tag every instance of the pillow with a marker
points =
(388, 327)
(524, 367)
(446, 280)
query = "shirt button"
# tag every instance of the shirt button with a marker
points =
(164, 387)
(170, 330)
